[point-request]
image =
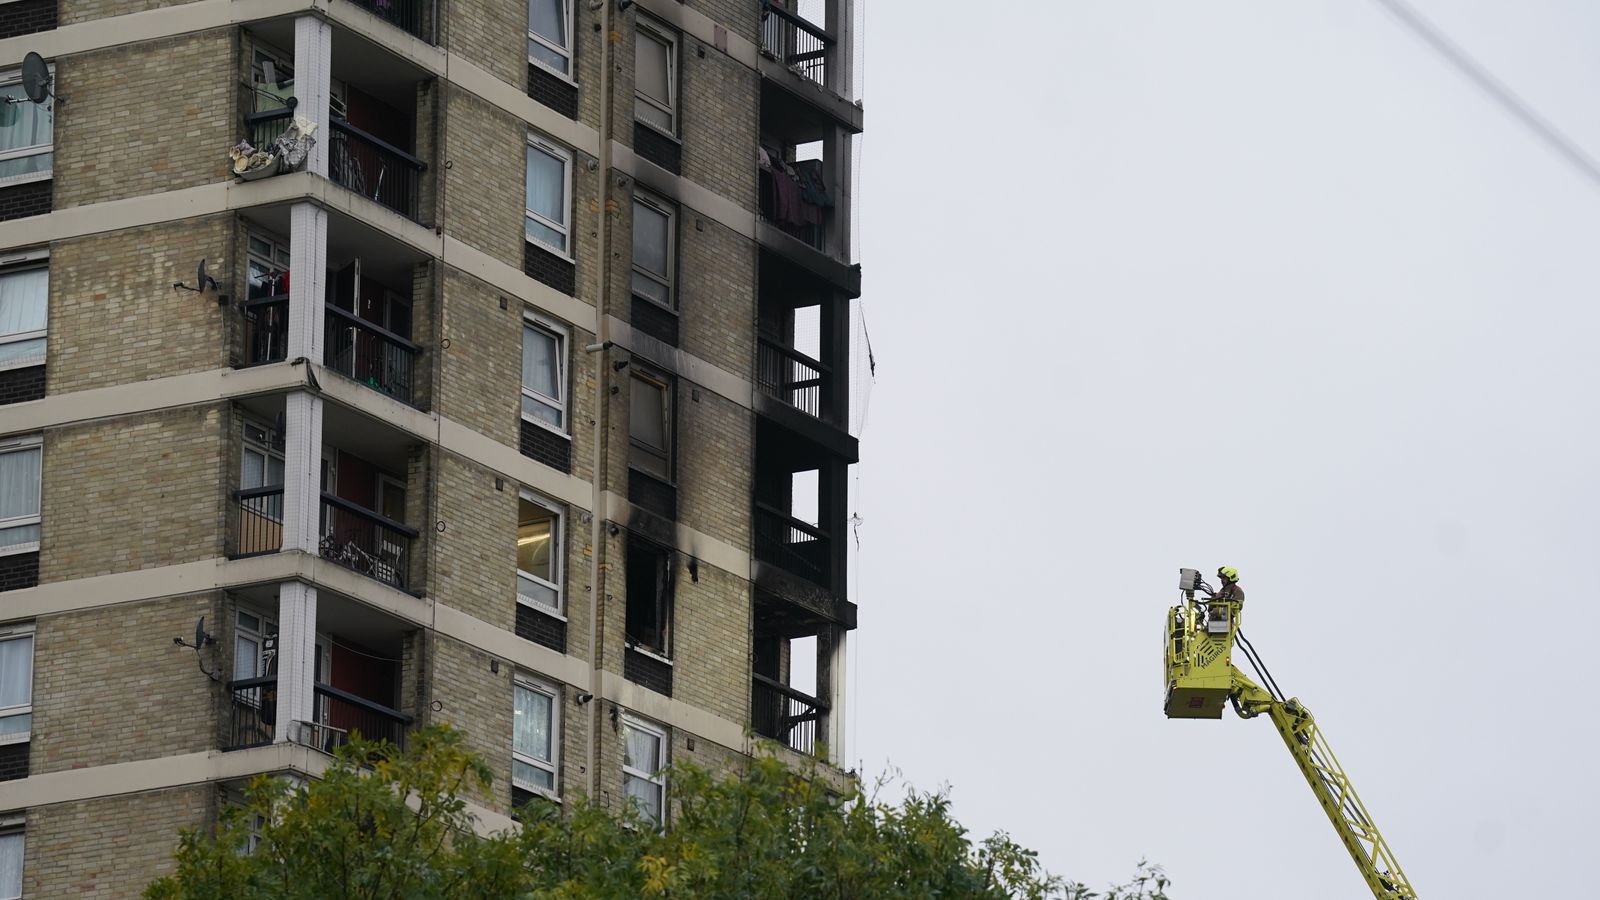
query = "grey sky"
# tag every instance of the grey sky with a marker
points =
(1267, 284)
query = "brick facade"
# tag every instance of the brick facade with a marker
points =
(21, 385)
(27, 17)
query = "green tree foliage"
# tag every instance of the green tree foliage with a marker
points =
(382, 824)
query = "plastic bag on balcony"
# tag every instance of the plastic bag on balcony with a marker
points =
(294, 145)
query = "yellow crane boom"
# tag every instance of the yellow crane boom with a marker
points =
(1200, 678)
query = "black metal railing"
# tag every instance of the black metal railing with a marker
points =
(792, 377)
(363, 541)
(784, 714)
(266, 329)
(267, 125)
(415, 17)
(374, 356)
(260, 520)
(374, 168)
(341, 715)
(255, 712)
(797, 43)
(789, 543)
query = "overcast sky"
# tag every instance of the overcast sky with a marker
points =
(1163, 284)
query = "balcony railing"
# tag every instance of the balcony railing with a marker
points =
(374, 168)
(794, 198)
(376, 357)
(266, 329)
(415, 17)
(792, 377)
(255, 712)
(789, 543)
(784, 714)
(260, 520)
(800, 45)
(363, 541)
(268, 124)
(339, 714)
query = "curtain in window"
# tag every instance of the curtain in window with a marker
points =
(641, 750)
(546, 196)
(16, 672)
(23, 299)
(548, 19)
(531, 737)
(11, 865)
(24, 125)
(541, 374)
(19, 494)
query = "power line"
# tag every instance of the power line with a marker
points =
(1479, 74)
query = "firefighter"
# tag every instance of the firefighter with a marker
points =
(1230, 591)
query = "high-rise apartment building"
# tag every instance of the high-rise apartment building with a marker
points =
(568, 473)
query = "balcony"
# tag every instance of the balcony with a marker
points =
(374, 356)
(259, 528)
(798, 45)
(414, 17)
(339, 716)
(793, 377)
(796, 546)
(359, 161)
(364, 541)
(784, 714)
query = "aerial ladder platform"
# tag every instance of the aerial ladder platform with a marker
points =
(1202, 634)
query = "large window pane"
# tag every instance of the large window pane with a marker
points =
(16, 672)
(650, 235)
(541, 376)
(24, 125)
(19, 483)
(646, 414)
(641, 750)
(11, 865)
(651, 72)
(646, 794)
(531, 727)
(548, 20)
(536, 541)
(22, 301)
(546, 184)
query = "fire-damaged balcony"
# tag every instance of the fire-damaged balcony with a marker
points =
(799, 523)
(803, 356)
(791, 675)
(359, 660)
(803, 62)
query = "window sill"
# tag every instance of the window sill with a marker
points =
(636, 648)
(541, 609)
(27, 178)
(553, 251)
(531, 420)
(659, 132)
(545, 68)
(657, 304)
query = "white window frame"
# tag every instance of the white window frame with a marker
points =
(18, 632)
(559, 404)
(539, 686)
(558, 549)
(668, 433)
(8, 79)
(270, 261)
(261, 634)
(261, 447)
(657, 777)
(563, 228)
(671, 279)
(565, 52)
(666, 36)
(27, 260)
(22, 445)
(16, 825)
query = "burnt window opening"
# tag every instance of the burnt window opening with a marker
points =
(650, 590)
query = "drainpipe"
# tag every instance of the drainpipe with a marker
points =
(601, 385)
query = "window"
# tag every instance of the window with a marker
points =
(16, 683)
(535, 736)
(549, 194)
(268, 274)
(544, 374)
(655, 77)
(254, 646)
(643, 758)
(263, 457)
(650, 572)
(24, 309)
(20, 460)
(550, 34)
(11, 844)
(650, 426)
(538, 554)
(653, 250)
(26, 141)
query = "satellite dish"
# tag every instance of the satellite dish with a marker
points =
(200, 635)
(36, 78)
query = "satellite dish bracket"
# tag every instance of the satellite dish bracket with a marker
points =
(201, 641)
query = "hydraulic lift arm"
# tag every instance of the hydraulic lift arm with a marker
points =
(1201, 675)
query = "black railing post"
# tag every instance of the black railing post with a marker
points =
(252, 721)
(784, 714)
(798, 547)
